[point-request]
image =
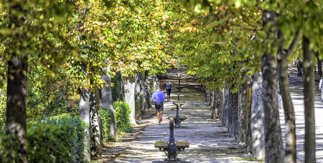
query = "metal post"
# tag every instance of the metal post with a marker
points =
(177, 120)
(179, 86)
(172, 150)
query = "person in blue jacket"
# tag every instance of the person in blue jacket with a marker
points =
(158, 98)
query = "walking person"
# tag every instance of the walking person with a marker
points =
(299, 65)
(158, 98)
(168, 86)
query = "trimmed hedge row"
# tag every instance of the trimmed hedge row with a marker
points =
(58, 139)
(122, 118)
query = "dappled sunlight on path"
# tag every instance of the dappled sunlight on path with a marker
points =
(209, 141)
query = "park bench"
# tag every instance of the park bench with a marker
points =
(178, 118)
(171, 148)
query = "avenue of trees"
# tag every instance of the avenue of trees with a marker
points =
(241, 50)
(82, 65)
(63, 59)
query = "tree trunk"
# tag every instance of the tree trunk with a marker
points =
(257, 119)
(290, 149)
(85, 116)
(16, 102)
(308, 74)
(273, 140)
(229, 111)
(129, 87)
(95, 124)
(107, 103)
(249, 103)
(147, 88)
(226, 108)
(15, 124)
(140, 95)
(243, 113)
(234, 116)
(220, 103)
(117, 90)
(214, 105)
(283, 56)
(319, 64)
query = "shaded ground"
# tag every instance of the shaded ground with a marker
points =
(209, 141)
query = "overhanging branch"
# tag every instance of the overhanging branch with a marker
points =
(293, 43)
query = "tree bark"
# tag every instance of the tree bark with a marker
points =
(15, 123)
(234, 115)
(229, 111)
(282, 59)
(257, 119)
(319, 64)
(214, 105)
(95, 124)
(249, 103)
(147, 88)
(273, 140)
(290, 149)
(129, 87)
(107, 103)
(220, 103)
(139, 96)
(243, 112)
(226, 108)
(309, 112)
(118, 89)
(16, 102)
(85, 116)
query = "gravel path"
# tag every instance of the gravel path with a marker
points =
(209, 141)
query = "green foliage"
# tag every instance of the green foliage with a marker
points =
(58, 139)
(2, 108)
(140, 33)
(73, 131)
(9, 148)
(122, 115)
(226, 39)
(105, 124)
(216, 45)
(47, 96)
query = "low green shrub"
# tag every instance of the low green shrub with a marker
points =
(3, 99)
(122, 117)
(57, 139)
(9, 149)
(122, 114)
(105, 124)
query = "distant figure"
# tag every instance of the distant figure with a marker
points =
(299, 65)
(168, 86)
(320, 88)
(158, 98)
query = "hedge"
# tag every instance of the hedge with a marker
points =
(58, 139)
(122, 117)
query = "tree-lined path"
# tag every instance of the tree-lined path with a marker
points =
(77, 76)
(209, 141)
